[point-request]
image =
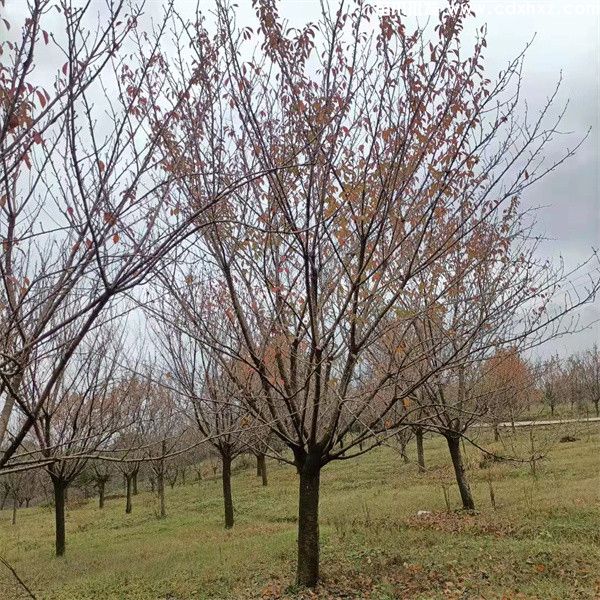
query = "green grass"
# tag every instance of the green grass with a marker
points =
(542, 542)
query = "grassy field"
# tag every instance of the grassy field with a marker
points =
(543, 541)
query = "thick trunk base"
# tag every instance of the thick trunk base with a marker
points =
(308, 528)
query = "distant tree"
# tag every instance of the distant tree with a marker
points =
(101, 472)
(508, 387)
(210, 396)
(591, 377)
(80, 416)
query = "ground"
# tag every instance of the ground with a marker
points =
(542, 541)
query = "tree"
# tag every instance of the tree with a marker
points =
(101, 474)
(403, 150)
(81, 415)
(386, 153)
(164, 426)
(509, 384)
(591, 376)
(211, 396)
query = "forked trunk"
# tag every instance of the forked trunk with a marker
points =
(60, 489)
(420, 451)
(459, 470)
(308, 525)
(227, 498)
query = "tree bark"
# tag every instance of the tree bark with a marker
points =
(459, 470)
(261, 465)
(227, 498)
(101, 485)
(160, 482)
(14, 511)
(160, 487)
(134, 487)
(128, 490)
(308, 526)
(59, 514)
(420, 450)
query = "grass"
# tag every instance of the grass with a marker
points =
(542, 542)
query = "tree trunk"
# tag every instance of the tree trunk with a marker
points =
(160, 482)
(27, 501)
(261, 465)
(496, 432)
(160, 487)
(128, 490)
(60, 489)
(308, 526)
(4, 497)
(404, 455)
(134, 481)
(459, 470)
(101, 485)
(227, 498)
(597, 407)
(420, 451)
(14, 512)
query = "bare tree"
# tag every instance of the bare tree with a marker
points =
(80, 416)
(211, 396)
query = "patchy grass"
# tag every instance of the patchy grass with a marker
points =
(543, 541)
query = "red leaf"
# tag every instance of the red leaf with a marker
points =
(101, 166)
(109, 218)
(116, 237)
(70, 211)
(88, 243)
(64, 68)
(41, 98)
(37, 138)
(45, 34)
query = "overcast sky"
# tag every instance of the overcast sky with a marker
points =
(567, 41)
